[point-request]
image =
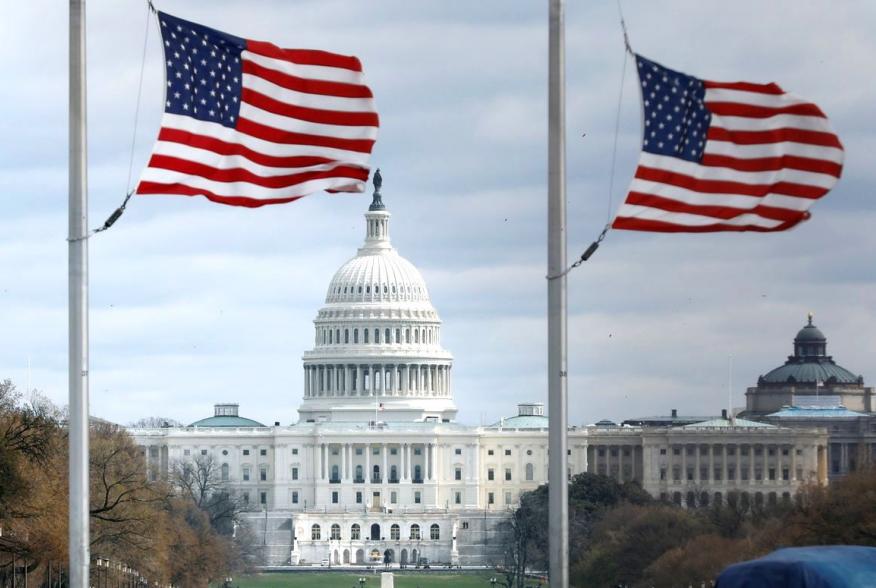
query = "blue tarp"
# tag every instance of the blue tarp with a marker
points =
(836, 566)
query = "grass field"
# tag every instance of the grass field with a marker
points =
(347, 580)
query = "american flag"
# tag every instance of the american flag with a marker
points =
(726, 156)
(247, 123)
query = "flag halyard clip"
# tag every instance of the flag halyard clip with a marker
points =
(584, 256)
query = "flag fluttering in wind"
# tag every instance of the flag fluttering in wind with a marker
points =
(247, 123)
(720, 156)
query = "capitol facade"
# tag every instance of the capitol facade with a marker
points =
(378, 470)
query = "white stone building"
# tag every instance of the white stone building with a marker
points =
(377, 469)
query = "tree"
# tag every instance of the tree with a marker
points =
(843, 513)
(155, 422)
(201, 482)
(628, 539)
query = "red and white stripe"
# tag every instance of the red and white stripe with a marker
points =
(307, 123)
(768, 157)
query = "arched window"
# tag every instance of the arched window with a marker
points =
(338, 336)
(393, 474)
(355, 335)
(418, 473)
(224, 472)
(359, 477)
(376, 335)
(430, 335)
(415, 531)
(323, 336)
(398, 335)
(407, 335)
(336, 477)
(416, 336)
(346, 335)
(375, 532)
(336, 532)
(355, 531)
(365, 331)
(375, 475)
(529, 472)
(435, 532)
(386, 336)
(394, 533)
(314, 533)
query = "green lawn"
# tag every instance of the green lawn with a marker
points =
(347, 580)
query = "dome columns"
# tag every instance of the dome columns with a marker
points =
(380, 379)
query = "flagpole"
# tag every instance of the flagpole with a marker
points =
(78, 305)
(558, 519)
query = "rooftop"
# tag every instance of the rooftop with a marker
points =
(815, 412)
(727, 423)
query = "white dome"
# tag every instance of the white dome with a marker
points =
(377, 345)
(377, 276)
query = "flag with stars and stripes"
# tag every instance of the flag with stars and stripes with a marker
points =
(726, 156)
(247, 123)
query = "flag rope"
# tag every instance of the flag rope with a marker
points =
(628, 50)
(117, 213)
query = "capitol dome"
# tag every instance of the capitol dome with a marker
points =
(377, 353)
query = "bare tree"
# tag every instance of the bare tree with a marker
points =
(155, 422)
(200, 481)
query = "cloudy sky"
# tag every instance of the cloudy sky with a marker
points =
(194, 303)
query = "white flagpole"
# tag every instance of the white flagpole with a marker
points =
(78, 305)
(558, 504)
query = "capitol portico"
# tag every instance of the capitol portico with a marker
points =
(377, 469)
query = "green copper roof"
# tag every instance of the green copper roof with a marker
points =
(725, 423)
(523, 422)
(226, 421)
(822, 370)
(815, 412)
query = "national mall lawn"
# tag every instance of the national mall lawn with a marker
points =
(347, 580)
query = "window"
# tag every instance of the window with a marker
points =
(246, 451)
(415, 531)
(355, 531)
(507, 452)
(530, 473)
(358, 498)
(336, 532)
(346, 335)
(294, 497)
(365, 334)
(491, 498)
(358, 451)
(507, 497)
(418, 451)
(772, 473)
(529, 452)
(336, 451)
(435, 532)
(465, 524)
(395, 533)
(662, 451)
(295, 451)
(187, 452)
(398, 335)
(662, 473)
(786, 474)
(246, 474)
(393, 451)
(676, 451)
(246, 497)
(294, 473)
(507, 474)
(335, 497)
(491, 474)
(377, 335)
(263, 451)
(203, 452)
(355, 335)
(393, 498)
(224, 472)
(375, 451)
(458, 451)
(314, 533)
(359, 474)
(731, 473)
(457, 497)
(489, 452)
(263, 498)
(457, 474)
(417, 499)
(263, 473)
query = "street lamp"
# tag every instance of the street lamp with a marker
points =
(362, 582)
(493, 581)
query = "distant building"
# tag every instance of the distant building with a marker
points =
(812, 390)
(378, 470)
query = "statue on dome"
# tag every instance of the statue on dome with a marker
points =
(377, 203)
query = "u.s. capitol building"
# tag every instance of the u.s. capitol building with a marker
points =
(377, 469)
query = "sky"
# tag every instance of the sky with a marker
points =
(193, 303)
